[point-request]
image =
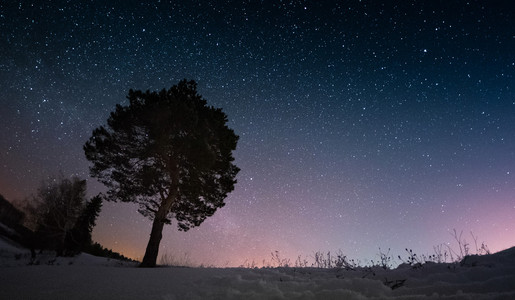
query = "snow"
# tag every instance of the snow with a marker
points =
(89, 277)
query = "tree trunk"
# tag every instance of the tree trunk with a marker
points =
(150, 258)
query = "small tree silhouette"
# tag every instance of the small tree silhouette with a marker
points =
(57, 205)
(79, 237)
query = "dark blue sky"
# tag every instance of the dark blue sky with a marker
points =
(362, 125)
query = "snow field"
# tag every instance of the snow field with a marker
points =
(89, 277)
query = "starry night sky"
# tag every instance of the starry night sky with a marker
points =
(362, 125)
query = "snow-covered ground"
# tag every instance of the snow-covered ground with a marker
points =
(89, 277)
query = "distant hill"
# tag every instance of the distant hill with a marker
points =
(9, 214)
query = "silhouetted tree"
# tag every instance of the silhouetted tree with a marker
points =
(79, 237)
(56, 207)
(170, 153)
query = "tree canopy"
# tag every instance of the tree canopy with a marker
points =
(169, 152)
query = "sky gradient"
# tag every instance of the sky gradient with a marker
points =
(362, 125)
